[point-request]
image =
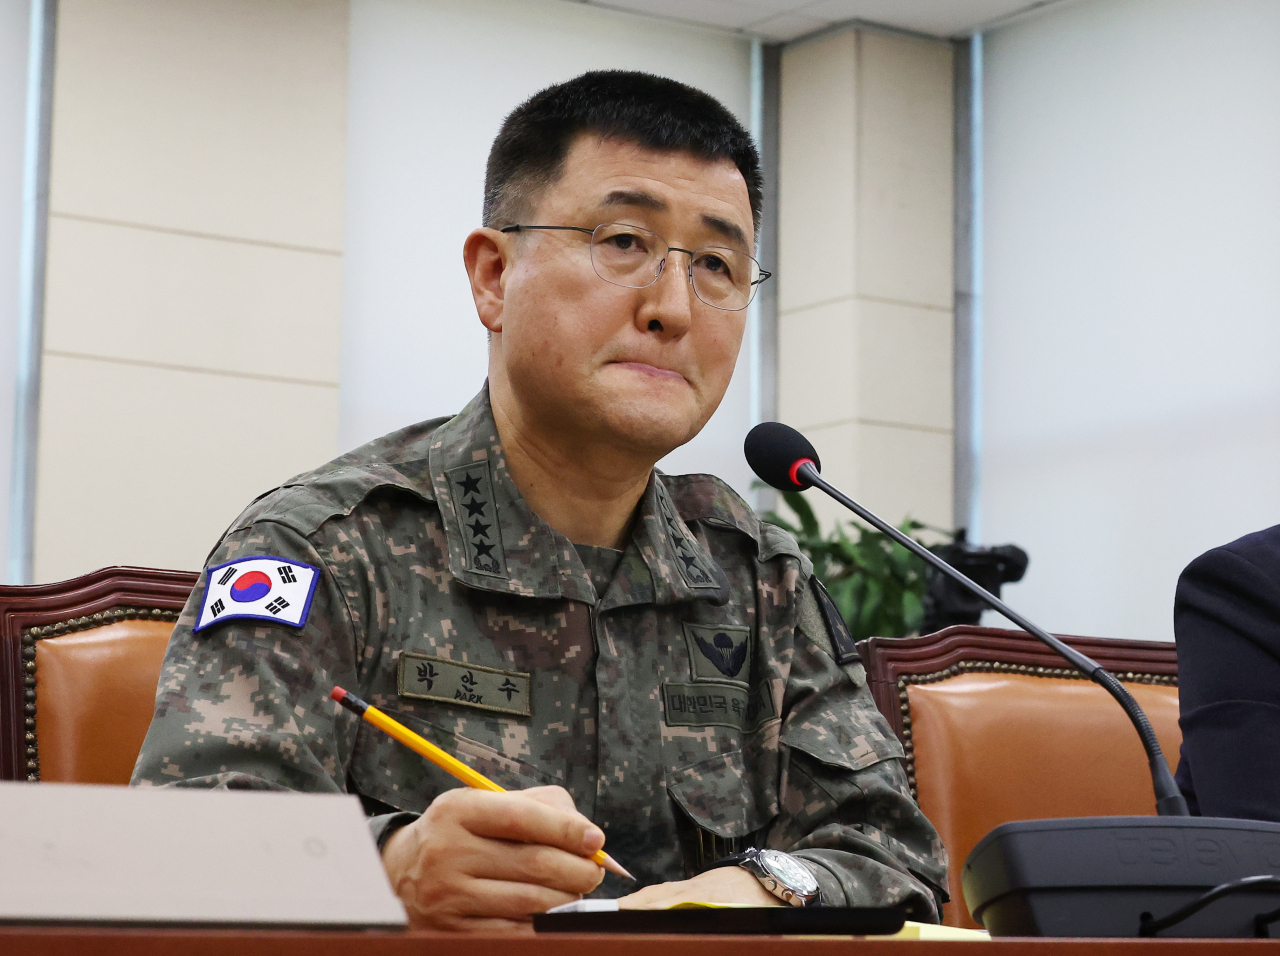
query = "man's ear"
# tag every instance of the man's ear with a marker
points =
(487, 255)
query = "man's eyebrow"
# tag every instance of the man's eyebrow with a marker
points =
(636, 197)
(646, 200)
(726, 228)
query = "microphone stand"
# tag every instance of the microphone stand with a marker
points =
(1105, 876)
(1169, 799)
(1085, 876)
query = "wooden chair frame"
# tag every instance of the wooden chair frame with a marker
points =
(893, 664)
(31, 613)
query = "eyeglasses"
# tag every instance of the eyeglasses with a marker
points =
(635, 258)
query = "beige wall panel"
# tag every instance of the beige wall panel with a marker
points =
(905, 149)
(817, 147)
(148, 466)
(817, 371)
(139, 294)
(219, 116)
(905, 472)
(838, 447)
(904, 373)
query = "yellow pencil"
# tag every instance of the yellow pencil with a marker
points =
(445, 761)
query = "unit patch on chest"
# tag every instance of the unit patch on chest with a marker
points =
(463, 685)
(719, 652)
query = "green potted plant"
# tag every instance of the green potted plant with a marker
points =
(877, 584)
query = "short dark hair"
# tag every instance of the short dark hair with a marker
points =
(655, 112)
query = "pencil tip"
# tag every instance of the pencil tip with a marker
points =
(615, 867)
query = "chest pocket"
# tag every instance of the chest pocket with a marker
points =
(724, 805)
(391, 773)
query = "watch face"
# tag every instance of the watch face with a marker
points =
(790, 871)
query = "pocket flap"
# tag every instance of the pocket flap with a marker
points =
(721, 797)
(389, 772)
(853, 745)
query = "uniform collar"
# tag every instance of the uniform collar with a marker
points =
(497, 543)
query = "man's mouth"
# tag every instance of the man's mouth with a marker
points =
(652, 370)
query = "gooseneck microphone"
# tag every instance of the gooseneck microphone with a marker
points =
(1090, 876)
(784, 459)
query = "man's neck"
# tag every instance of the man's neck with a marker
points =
(583, 492)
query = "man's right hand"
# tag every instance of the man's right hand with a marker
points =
(478, 860)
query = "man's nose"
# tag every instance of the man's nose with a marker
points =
(667, 306)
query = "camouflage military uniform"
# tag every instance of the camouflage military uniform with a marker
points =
(696, 706)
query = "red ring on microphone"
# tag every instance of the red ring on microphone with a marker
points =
(796, 467)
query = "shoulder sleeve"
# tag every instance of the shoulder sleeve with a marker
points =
(845, 806)
(245, 703)
(822, 623)
(1227, 626)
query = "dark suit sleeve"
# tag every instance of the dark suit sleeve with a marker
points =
(1227, 627)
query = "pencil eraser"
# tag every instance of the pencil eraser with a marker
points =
(337, 694)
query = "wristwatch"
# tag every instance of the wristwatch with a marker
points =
(780, 873)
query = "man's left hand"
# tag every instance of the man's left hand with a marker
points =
(728, 884)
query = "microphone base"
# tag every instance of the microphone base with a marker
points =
(1096, 876)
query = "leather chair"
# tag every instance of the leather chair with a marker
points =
(997, 727)
(79, 663)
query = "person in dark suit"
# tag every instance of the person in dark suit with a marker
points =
(1226, 620)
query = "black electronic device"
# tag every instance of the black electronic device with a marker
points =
(1171, 874)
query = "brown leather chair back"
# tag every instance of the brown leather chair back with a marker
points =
(996, 731)
(79, 663)
(95, 693)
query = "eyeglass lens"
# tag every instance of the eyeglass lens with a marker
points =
(629, 256)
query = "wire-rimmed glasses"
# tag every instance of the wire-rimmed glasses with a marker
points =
(635, 258)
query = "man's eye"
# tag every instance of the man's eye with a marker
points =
(713, 264)
(626, 242)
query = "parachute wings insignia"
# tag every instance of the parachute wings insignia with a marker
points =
(726, 648)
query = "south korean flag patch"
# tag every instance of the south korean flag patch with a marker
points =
(265, 588)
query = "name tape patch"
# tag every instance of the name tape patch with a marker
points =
(463, 685)
(718, 705)
(264, 588)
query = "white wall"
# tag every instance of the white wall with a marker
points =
(1132, 358)
(430, 82)
(14, 40)
(194, 271)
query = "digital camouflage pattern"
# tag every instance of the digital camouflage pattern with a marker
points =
(693, 709)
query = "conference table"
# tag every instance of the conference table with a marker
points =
(79, 941)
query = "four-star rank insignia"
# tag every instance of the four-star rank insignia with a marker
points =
(691, 566)
(471, 487)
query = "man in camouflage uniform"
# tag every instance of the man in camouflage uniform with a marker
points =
(636, 654)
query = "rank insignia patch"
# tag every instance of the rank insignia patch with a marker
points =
(719, 653)
(265, 588)
(472, 489)
(691, 566)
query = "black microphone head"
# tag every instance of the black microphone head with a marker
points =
(773, 450)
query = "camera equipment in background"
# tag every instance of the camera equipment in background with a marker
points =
(948, 602)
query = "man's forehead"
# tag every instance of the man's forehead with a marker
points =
(608, 174)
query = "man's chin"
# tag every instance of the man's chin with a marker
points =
(649, 431)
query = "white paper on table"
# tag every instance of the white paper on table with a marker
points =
(587, 906)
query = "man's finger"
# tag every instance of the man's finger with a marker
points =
(510, 816)
(550, 867)
(506, 900)
(552, 796)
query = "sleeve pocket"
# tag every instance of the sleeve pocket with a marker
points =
(839, 744)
